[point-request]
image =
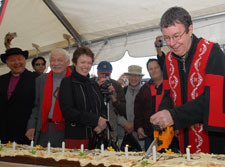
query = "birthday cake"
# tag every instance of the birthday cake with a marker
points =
(107, 158)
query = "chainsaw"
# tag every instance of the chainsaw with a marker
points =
(162, 138)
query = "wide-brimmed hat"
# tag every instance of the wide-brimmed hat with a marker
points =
(135, 70)
(104, 67)
(13, 51)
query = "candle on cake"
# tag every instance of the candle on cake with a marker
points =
(81, 148)
(102, 149)
(14, 146)
(154, 153)
(126, 151)
(32, 144)
(188, 153)
(49, 147)
(63, 147)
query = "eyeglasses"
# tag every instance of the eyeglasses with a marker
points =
(38, 64)
(176, 37)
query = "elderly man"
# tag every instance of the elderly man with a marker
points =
(126, 123)
(46, 123)
(193, 79)
(17, 94)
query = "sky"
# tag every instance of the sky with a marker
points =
(121, 66)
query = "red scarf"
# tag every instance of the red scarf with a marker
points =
(198, 138)
(47, 102)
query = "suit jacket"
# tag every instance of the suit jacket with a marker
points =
(36, 115)
(16, 111)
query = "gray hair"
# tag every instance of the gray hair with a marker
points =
(61, 51)
(176, 15)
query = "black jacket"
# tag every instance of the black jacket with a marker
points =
(81, 104)
(16, 111)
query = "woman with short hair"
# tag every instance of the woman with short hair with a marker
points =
(81, 102)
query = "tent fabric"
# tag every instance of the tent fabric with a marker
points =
(33, 22)
(109, 27)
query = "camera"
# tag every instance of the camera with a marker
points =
(161, 43)
(13, 35)
(104, 87)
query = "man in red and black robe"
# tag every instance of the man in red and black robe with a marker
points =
(194, 86)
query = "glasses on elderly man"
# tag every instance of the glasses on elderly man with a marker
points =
(176, 37)
(39, 64)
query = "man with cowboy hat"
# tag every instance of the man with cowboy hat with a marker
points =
(125, 124)
(16, 96)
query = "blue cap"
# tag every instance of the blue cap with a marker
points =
(104, 66)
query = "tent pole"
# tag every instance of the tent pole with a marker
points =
(64, 21)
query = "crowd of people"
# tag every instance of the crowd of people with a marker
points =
(185, 92)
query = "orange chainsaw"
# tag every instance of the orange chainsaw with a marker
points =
(162, 138)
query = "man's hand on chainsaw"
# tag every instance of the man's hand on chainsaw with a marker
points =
(162, 118)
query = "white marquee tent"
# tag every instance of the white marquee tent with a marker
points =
(108, 27)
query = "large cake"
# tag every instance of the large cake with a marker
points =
(94, 158)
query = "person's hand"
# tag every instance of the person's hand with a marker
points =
(30, 133)
(113, 93)
(110, 88)
(101, 125)
(8, 39)
(101, 81)
(129, 127)
(97, 130)
(157, 40)
(141, 133)
(158, 49)
(162, 118)
(102, 122)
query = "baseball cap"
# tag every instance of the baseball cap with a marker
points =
(104, 67)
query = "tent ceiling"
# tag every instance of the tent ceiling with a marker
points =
(95, 19)
(109, 27)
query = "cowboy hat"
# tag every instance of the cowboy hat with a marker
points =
(135, 70)
(13, 51)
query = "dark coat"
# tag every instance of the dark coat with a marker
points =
(81, 104)
(143, 109)
(16, 111)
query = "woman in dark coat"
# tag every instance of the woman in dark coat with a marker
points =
(81, 102)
